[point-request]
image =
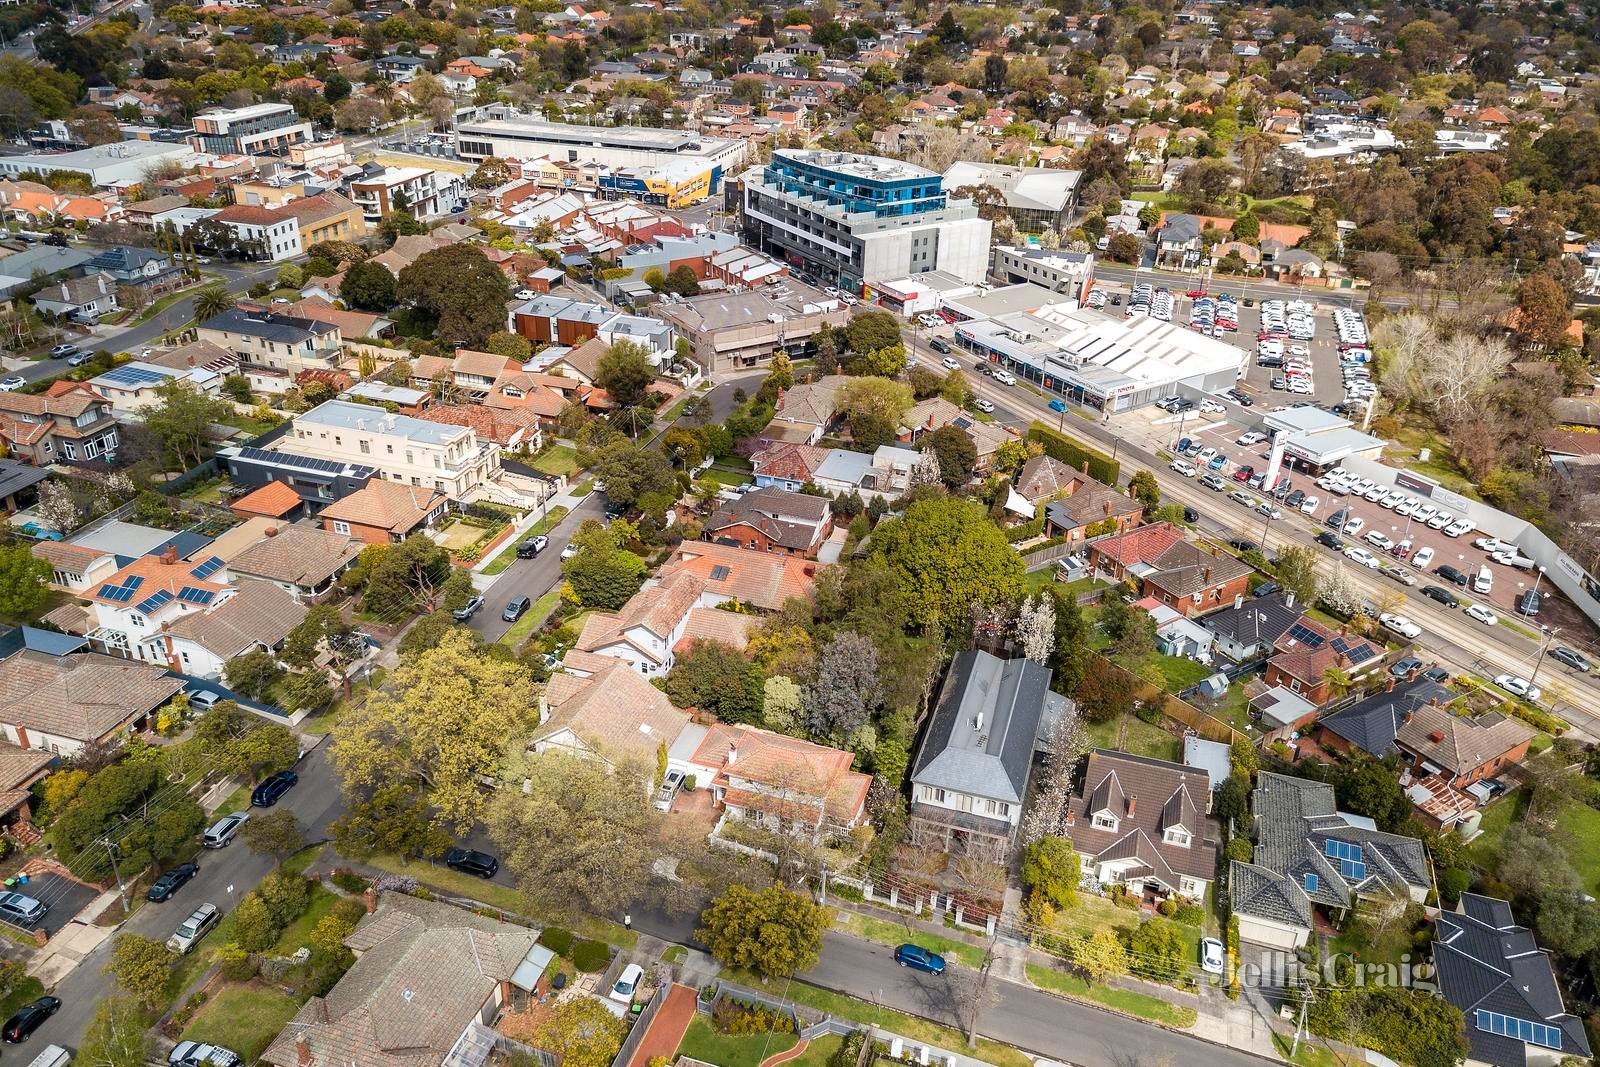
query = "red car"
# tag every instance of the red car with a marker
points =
(1196, 292)
(1242, 474)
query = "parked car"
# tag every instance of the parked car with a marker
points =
(1399, 574)
(569, 550)
(196, 926)
(204, 699)
(471, 861)
(21, 909)
(1518, 686)
(983, 405)
(1330, 541)
(919, 959)
(1442, 595)
(224, 830)
(1423, 557)
(196, 1054)
(172, 881)
(1572, 658)
(29, 1018)
(1483, 615)
(1528, 603)
(12, 383)
(667, 790)
(1450, 574)
(63, 351)
(626, 984)
(80, 359)
(1401, 625)
(1361, 556)
(1183, 467)
(271, 791)
(519, 605)
(1212, 955)
(532, 547)
(1212, 482)
(471, 607)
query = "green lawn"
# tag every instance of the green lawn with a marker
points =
(537, 613)
(1126, 1001)
(456, 884)
(26, 991)
(844, 1006)
(244, 1018)
(1498, 817)
(238, 800)
(557, 460)
(298, 933)
(731, 478)
(583, 488)
(1137, 737)
(1310, 1054)
(1358, 943)
(703, 1043)
(251, 427)
(508, 554)
(1093, 913)
(889, 932)
(818, 1052)
(1579, 824)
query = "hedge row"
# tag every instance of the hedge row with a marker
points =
(1058, 446)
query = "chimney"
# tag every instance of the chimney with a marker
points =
(302, 1051)
(1107, 506)
(1085, 467)
(779, 405)
(1436, 736)
(370, 899)
(170, 556)
(1288, 599)
(1388, 685)
(1409, 715)
(271, 531)
(1205, 575)
(733, 755)
(1411, 675)
(1133, 802)
(930, 421)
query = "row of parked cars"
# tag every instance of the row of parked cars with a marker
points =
(1341, 482)
(1294, 318)
(1213, 315)
(1154, 301)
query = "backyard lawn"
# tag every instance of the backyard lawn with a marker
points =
(702, 1042)
(298, 933)
(1126, 1001)
(1133, 735)
(557, 460)
(251, 427)
(1578, 827)
(818, 1052)
(244, 1018)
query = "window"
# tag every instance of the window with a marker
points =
(341, 527)
(1102, 821)
(1177, 837)
(366, 447)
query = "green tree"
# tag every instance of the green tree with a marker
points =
(290, 276)
(141, 967)
(181, 418)
(405, 577)
(870, 331)
(582, 1032)
(131, 802)
(602, 574)
(878, 397)
(715, 677)
(119, 1033)
(625, 373)
(368, 286)
(1368, 787)
(1100, 956)
(1145, 490)
(632, 472)
(275, 834)
(395, 819)
(253, 927)
(683, 281)
(1157, 950)
(241, 744)
(253, 674)
(212, 301)
(1295, 569)
(948, 556)
(1050, 868)
(1543, 312)
(511, 345)
(780, 371)
(957, 454)
(776, 931)
(24, 581)
(458, 287)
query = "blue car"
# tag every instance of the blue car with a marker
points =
(1058, 405)
(270, 791)
(919, 959)
(1218, 462)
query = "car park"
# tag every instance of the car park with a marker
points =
(170, 882)
(1309, 504)
(1440, 594)
(224, 830)
(1570, 657)
(1243, 472)
(27, 1019)
(471, 861)
(1483, 615)
(919, 959)
(1517, 685)
(1459, 527)
(1441, 520)
(1402, 549)
(192, 929)
(470, 608)
(272, 789)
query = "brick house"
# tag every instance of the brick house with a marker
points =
(383, 512)
(1303, 657)
(774, 520)
(1185, 577)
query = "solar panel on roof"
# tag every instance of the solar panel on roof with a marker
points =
(289, 459)
(190, 595)
(208, 568)
(133, 581)
(133, 376)
(1354, 651)
(1305, 635)
(115, 593)
(719, 572)
(153, 601)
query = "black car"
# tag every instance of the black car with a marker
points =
(1296, 498)
(1437, 675)
(1450, 574)
(29, 1018)
(532, 547)
(1240, 544)
(1328, 539)
(470, 861)
(615, 510)
(1528, 603)
(1266, 589)
(1443, 596)
(1190, 515)
(939, 345)
(1338, 519)
(271, 791)
(1573, 659)
(163, 888)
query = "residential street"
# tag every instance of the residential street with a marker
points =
(533, 577)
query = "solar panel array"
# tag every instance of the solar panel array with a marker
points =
(1306, 635)
(123, 592)
(133, 376)
(1352, 867)
(1522, 1029)
(190, 595)
(1356, 651)
(719, 572)
(153, 601)
(208, 568)
(289, 459)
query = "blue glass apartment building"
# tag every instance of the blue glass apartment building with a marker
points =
(850, 220)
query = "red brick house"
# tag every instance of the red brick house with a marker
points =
(1175, 572)
(381, 513)
(774, 520)
(1116, 555)
(1303, 656)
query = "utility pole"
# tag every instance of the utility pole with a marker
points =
(111, 853)
(1300, 1026)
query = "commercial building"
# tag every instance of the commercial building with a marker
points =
(124, 162)
(852, 220)
(1319, 439)
(413, 451)
(676, 183)
(731, 330)
(509, 134)
(1104, 362)
(1069, 273)
(256, 130)
(1035, 198)
(423, 192)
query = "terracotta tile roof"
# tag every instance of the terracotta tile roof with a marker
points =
(1142, 545)
(778, 761)
(497, 424)
(252, 215)
(615, 711)
(486, 364)
(260, 613)
(760, 579)
(792, 462)
(1045, 476)
(351, 324)
(67, 557)
(275, 499)
(1459, 743)
(152, 574)
(311, 209)
(298, 555)
(714, 624)
(83, 696)
(385, 505)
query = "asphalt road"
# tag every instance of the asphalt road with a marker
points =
(533, 577)
(225, 876)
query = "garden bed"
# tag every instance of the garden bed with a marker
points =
(702, 1042)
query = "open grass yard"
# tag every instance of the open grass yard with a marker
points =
(298, 933)
(1309, 1054)
(818, 1052)
(244, 1018)
(559, 460)
(1578, 828)
(1126, 1001)
(1133, 735)
(702, 1042)
(1362, 942)
(459, 535)
(889, 932)
(1498, 817)
(844, 1006)
(1440, 464)
(1093, 913)
(250, 427)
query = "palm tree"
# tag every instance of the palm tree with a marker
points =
(212, 301)
(1339, 682)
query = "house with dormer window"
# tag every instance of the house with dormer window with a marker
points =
(655, 624)
(1141, 823)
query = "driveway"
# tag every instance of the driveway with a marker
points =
(63, 896)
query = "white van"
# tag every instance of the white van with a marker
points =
(52, 1056)
(1483, 581)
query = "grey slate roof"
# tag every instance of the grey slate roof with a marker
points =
(1372, 722)
(1486, 961)
(1260, 892)
(285, 329)
(981, 737)
(1259, 620)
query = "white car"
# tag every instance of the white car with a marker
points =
(983, 405)
(1212, 956)
(1211, 407)
(1518, 686)
(1492, 545)
(1459, 527)
(1377, 540)
(569, 551)
(1407, 507)
(1005, 377)
(1184, 468)
(1401, 625)
(1360, 555)
(1254, 437)
(1423, 557)
(1441, 520)
(12, 383)
(1424, 512)
(1206, 455)
(1483, 615)
(929, 320)
(1309, 505)
(1392, 499)
(1375, 494)
(1355, 526)
(950, 363)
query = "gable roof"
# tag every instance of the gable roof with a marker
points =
(82, 696)
(1259, 620)
(1147, 797)
(981, 737)
(791, 520)
(387, 505)
(275, 499)
(260, 613)
(1186, 568)
(791, 462)
(1486, 962)
(1141, 545)
(298, 555)
(761, 579)
(786, 763)
(615, 711)
(1046, 476)
(1460, 743)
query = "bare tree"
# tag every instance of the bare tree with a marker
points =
(1036, 627)
(974, 993)
(1053, 785)
(945, 145)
